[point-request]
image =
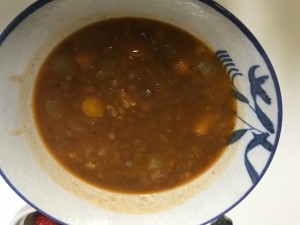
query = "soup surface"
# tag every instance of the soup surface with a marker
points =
(134, 105)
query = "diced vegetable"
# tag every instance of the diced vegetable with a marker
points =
(52, 108)
(181, 66)
(90, 165)
(155, 164)
(196, 152)
(126, 100)
(92, 107)
(62, 66)
(203, 125)
(84, 59)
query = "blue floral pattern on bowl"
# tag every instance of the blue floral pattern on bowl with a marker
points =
(260, 137)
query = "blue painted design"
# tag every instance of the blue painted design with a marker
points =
(256, 91)
(237, 134)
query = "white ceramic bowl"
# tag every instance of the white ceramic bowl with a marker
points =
(45, 185)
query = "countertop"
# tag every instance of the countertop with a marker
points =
(275, 201)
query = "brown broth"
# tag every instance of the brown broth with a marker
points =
(134, 105)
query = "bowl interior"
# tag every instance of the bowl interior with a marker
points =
(40, 180)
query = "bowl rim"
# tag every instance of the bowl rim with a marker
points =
(223, 11)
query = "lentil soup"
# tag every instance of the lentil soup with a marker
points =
(134, 105)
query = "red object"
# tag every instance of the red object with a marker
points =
(43, 220)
